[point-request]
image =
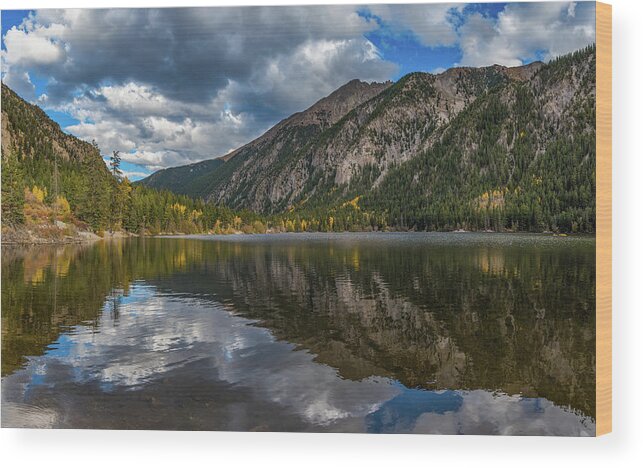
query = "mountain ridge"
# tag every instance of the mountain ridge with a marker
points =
(257, 184)
(362, 152)
(515, 71)
(228, 187)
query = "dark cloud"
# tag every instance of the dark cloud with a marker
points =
(188, 54)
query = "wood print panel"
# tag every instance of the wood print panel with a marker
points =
(604, 218)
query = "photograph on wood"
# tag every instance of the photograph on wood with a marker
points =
(386, 218)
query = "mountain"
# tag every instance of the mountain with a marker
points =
(288, 136)
(490, 148)
(181, 179)
(476, 148)
(390, 129)
(520, 157)
(358, 127)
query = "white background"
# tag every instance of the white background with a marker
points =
(624, 447)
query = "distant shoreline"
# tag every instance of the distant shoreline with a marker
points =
(322, 234)
(25, 237)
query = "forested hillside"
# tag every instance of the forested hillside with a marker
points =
(38, 157)
(181, 179)
(49, 176)
(521, 157)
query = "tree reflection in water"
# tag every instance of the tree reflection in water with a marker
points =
(392, 332)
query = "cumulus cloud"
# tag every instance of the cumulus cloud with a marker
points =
(434, 25)
(516, 35)
(156, 131)
(186, 53)
(178, 85)
(20, 82)
(32, 44)
(522, 30)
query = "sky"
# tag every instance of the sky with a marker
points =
(173, 86)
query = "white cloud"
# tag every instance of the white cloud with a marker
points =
(432, 24)
(20, 82)
(110, 135)
(29, 46)
(33, 44)
(134, 99)
(154, 131)
(524, 29)
(131, 175)
(482, 45)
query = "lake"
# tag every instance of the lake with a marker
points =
(448, 333)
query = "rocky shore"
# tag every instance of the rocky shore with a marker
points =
(57, 233)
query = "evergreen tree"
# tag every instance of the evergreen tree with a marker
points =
(12, 190)
(115, 165)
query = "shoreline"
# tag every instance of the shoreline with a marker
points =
(323, 234)
(27, 237)
(53, 235)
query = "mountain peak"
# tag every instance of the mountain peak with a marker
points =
(324, 113)
(517, 73)
(333, 107)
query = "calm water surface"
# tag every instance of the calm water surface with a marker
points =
(427, 333)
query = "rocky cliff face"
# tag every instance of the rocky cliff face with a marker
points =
(376, 134)
(247, 166)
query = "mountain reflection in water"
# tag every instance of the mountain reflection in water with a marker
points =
(429, 333)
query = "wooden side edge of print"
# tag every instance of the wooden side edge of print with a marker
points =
(603, 218)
